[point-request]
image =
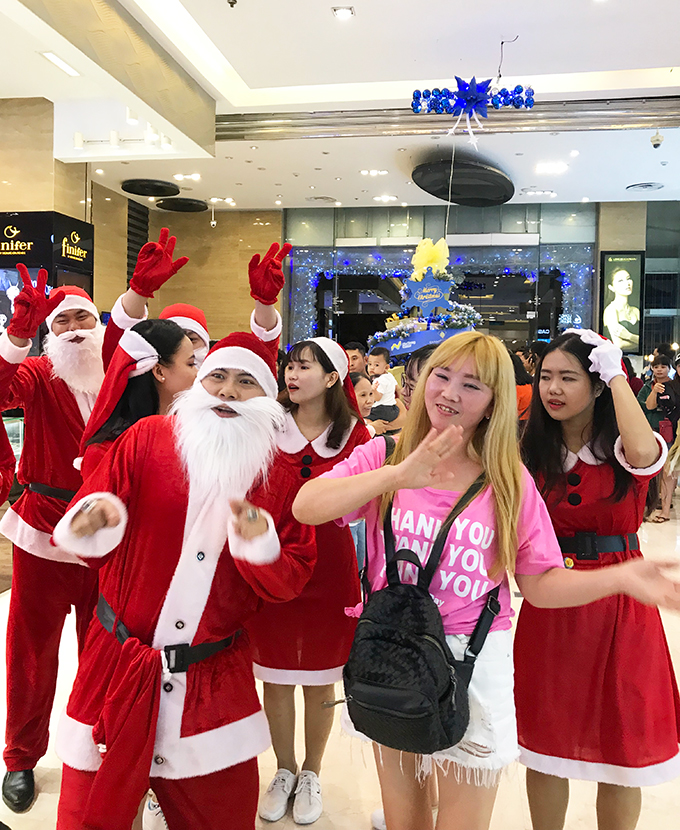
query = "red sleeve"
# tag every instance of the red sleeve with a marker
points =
(7, 464)
(112, 335)
(17, 382)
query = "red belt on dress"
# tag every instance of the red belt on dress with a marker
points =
(590, 545)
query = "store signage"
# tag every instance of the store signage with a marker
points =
(406, 345)
(12, 243)
(26, 238)
(73, 243)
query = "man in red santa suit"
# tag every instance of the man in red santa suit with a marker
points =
(57, 392)
(190, 523)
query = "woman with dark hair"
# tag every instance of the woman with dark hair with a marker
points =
(306, 641)
(153, 362)
(595, 690)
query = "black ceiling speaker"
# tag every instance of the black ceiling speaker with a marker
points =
(182, 205)
(474, 184)
(149, 187)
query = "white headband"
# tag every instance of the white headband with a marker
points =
(335, 353)
(140, 350)
(237, 357)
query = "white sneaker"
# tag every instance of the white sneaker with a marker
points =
(378, 820)
(274, 802)
(152, 817)
(308, 805)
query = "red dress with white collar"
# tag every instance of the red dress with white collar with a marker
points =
(595, 690)
(306, 641)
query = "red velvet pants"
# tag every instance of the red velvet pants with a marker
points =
(224, 800)
(43, 592)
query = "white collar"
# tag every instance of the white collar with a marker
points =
(290, 440)
(585, 454)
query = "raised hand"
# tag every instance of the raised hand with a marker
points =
(266, 277)
(248, 521)
(426, 465)
(31, 306)
(605, 358)
(155, 265)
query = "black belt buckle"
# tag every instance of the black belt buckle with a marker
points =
(177, 657)
(586, 546)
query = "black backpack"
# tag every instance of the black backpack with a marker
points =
(404, 688)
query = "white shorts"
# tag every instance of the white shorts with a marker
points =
(490, 742)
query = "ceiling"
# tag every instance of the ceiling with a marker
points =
(269, 56)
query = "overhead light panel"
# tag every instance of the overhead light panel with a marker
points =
(343, 12)
(57, 61)
(99, 171)
(551, 168)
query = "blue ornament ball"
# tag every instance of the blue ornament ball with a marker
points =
(504, 92)
(446, 92)
(415, 106)
(530, 92)
(437, 92)
(438, 108)
(430, 105)
(529, 103)
(416, 94)
(448, 108)
(517, 102)
(519, 89)
(426, 93)
(496, 101)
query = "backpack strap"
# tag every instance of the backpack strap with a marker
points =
(486, 618)
(425, 574)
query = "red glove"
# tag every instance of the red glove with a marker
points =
(31, 306)
(266, 277)
(155, 266)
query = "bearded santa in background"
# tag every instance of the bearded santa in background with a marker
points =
(57, 392)
(190, 522)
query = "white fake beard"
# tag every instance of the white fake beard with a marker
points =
(79, 365)
(225, 456)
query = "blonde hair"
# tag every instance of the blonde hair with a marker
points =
(494, 443)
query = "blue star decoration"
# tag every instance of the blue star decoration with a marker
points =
(471, 97)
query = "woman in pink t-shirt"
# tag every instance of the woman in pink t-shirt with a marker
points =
(463, 421)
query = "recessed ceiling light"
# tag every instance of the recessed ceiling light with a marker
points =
(404, 204)
(343, 12)
(384, 198)
(254, 147)
(311, 187)
(401, 150)
(382, 172)
(551, 168)
(338, 178)
(364, 172)
(373, 172)
(57, 61)
(585, 199)
(107, 199)
(574, 153)
(152, 198)
(277, 202)
(338, 204)
(99, 171)
(179, 177)
(195, 176)
(214, 199)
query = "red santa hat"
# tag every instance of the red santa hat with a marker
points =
(188, 317)
(133, 356)
(340, 360)
(242, 350)
(76, 297)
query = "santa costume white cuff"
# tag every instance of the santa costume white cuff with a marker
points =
(654, 468)
(266, 335)
(262, 550)
(99, 544)
(121, 318)
(10, 352)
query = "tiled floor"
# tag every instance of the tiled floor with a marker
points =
(349, 779)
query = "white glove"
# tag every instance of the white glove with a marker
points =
(605, 358)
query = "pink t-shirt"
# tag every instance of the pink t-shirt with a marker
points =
(461, 582)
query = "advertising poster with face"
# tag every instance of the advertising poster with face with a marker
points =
(620, 300)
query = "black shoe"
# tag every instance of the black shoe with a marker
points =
(18, 790)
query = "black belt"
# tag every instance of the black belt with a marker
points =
(54, 492)
(179, 656)
(590, 545)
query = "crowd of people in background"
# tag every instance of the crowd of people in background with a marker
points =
(207, 509)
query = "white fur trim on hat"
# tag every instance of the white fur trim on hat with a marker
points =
(335, 353)
(140, 350)
(70, 303)
(236, 357)
(191, 325)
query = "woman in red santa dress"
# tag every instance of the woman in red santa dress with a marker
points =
(595, 690)
(178, 566)
(306, 642)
